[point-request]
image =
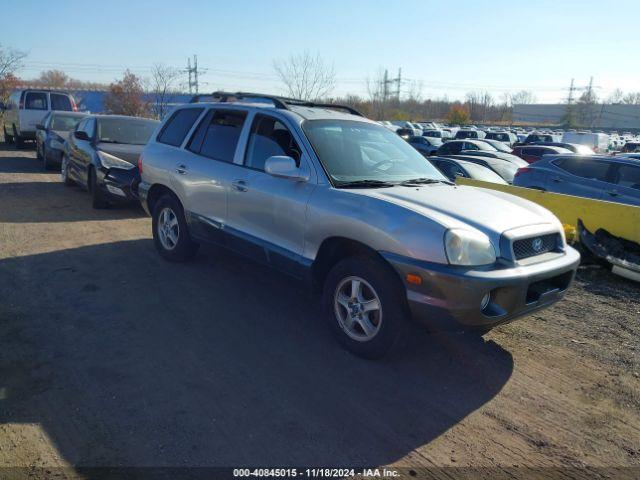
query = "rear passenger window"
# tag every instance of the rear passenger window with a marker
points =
(36, 101)
(217, 135)
(269, 138)
(60, 102)
(178, 126)
(585, 168)
(629, 176)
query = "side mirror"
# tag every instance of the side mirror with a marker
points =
(80, 135)
(285, 167)
(39, 126)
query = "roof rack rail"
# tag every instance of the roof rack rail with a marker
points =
(278, 102)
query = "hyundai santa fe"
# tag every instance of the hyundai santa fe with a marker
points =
(343, 203)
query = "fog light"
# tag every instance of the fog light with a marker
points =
(485, 301)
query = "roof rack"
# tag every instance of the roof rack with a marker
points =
(278, 102)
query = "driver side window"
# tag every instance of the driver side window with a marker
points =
(269, 137)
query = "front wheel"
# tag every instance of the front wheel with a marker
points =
(170, 232)
(64, 172)
(97, 197)
(365, 306)
(8, 139)
(17, 139)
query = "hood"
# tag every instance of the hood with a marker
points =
(492, 212)
(510, 157)
(126, 152)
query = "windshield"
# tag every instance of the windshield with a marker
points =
(132, 131)
(506, 170)
(483, 173)
(501, 147)
(65, 123)
(355, 151)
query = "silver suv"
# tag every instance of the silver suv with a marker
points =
(345, 204)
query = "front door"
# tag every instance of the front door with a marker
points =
(267, 213)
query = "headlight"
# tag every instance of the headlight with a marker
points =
(467, 247)
(110, 161)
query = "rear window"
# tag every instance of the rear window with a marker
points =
(217, 135)
(60, 102)
(35, 101)
(629, 176)
(178, 126)
(131, 131)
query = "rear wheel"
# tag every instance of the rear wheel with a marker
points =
(97, 197)
(8, 139)
(45, 163)
(365, 306)
(18, 140)
(170, 232)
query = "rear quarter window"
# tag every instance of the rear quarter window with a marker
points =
(178, 125)
(60, 102)
(35, 101)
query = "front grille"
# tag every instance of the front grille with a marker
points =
(532, 246)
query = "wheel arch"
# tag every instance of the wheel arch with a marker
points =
(334, 249)
(156, 191)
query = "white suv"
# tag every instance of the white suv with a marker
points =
(27, 108)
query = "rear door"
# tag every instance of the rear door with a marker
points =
(267, 213)
(36, 106)
(627, 185)
(61, 102)
(205, 169)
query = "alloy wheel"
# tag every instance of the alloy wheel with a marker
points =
(168, 228)
(358, 309)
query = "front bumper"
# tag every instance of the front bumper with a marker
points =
(119, 185)
(450, 297)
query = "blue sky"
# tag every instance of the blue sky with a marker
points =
(449, 47)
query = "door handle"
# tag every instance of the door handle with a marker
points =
(557, 179)
(181, 169)
(613, 193)
(239, 185)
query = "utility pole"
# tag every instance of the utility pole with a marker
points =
(385, 86)
(572, 88)
(398, 83)
(193, 70)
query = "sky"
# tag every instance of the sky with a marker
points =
(445, 48)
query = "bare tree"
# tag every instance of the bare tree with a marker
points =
(616, 96)
(53, 79)
(10, 61)
(163, 86)
(632, 98)
(378, 90)
(306, 76)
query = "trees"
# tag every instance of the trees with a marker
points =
(458, 115)
(163, 87)
(126, 97)
(10, 63)
(53, 79)
(306, 76)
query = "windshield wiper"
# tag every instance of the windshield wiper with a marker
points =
(364, 184)
(424, 181)
(107, 140)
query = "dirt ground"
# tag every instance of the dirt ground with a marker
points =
(110, 356)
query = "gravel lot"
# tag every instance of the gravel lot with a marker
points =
(111, 356)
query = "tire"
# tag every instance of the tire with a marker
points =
(8, 139)
(64, 172)
(377, 281)
(168, 216)
(17, 139)
(98, 201)
(38, 156)
(45, 163)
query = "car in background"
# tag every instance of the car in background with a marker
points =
(507, 170)
(537, 137)
(469, 133)
(507, 138)
(631, 147)
(426, 146)
(533, 153)
(102, 155)
(598, 142)
(573, 147)
(452, 168)
(27, 108)
(406, 133)
(479, 148)
(440, 133)
(614, 179)
(52, 134)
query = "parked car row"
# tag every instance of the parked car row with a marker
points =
(332, 198)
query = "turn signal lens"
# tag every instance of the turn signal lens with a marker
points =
(413, 278)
